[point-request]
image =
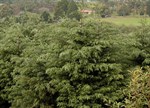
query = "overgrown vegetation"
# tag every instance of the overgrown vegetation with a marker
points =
(63, 62)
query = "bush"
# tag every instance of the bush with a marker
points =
(143, 44)
(139, 89)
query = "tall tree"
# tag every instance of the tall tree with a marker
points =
(148, 7)
(72, 11)
(61, 9)
(45, 16)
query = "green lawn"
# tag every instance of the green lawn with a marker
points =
(128, 21)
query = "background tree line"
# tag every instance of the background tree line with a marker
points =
(72, 8)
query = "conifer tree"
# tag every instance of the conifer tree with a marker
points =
(143, 44)
(83, 70)
(148, 7)
(72, 11)
(68, 9)
(61, 9)
(46, 17)
(11, 46)
(31, 86)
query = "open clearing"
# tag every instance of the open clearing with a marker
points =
(128, 21)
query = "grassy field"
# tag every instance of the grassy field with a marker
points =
(128, 21)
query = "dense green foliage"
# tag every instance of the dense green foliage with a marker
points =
(71, 63)
(45, 16)
(143, 38)
(84, 71)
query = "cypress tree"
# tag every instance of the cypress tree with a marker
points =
(10, 46)
(46, 17)
(31, 86)
(143, 44)
(82, 69)
(148, 7)
(72, 11)
(61, 9)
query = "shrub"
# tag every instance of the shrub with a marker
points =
(139, 89)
